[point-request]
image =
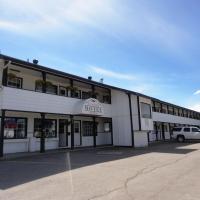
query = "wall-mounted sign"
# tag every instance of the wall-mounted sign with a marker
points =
(92, 107)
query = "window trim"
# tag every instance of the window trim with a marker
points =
(26, 128)
(67, 91)
(17, 77)
(150, 110)
(56, 131)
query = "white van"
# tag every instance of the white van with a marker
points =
(183, 133)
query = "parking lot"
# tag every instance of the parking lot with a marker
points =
(162, 171)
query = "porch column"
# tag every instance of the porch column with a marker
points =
(72, 131)
(42, 138)
(163, 131)
(2, 132)
(94, 132)
(5, 76)
(44, 80)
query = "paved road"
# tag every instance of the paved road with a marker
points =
(162, 171)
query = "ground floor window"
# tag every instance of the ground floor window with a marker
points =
(15, 128)
(88, 128)
(107, 126)
(50, 128)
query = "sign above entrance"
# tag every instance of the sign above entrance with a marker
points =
(92, 107)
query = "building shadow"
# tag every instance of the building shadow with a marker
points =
(17, 171)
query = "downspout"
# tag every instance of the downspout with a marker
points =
(139, 115)
(131, 119)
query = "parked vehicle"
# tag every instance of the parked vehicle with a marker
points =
(183, 133)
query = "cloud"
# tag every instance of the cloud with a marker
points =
(112, 74)
(77, 17)
(195, 107)
(197, 92)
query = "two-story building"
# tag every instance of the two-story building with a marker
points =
(43, 108)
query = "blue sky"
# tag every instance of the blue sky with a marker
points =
(152, 47)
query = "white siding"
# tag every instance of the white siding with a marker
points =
(121, 119)
(23, 100)
(160, 117)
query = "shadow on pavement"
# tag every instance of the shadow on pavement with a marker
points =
(17, 171)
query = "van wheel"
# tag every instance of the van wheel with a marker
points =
(180, 138)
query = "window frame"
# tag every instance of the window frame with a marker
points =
(56, 131)
(142, 116)
(21, 81)
(66, 90)
(26, 128)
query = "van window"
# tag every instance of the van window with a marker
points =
(186, 129)
(177, 129)
(195, 129)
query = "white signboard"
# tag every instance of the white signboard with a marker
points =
(92, 107)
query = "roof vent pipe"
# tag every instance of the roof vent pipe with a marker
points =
(35, 61)
(89, 78)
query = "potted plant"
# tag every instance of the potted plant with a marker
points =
(39, 83)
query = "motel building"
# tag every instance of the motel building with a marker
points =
(43, 108)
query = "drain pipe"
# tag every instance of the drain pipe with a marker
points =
(131, 119)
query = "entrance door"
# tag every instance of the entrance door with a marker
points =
(77, 133)
(63, 132)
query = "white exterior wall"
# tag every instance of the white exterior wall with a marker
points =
(41, 102)
(146, 124)
(160, 117)
(121, 119)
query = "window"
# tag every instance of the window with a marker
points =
(166, 127)
(50, 128)
(76, 94)
(88, 128)
(186, 129)
(145, 110)
(38, 86)
(51, 89)
(76, 127)
(106, 99)
(86, 95)
(63, 126)
(63, 91)
(107, 127)
(195, 130)
(177, 129)
(15, 128)
(15, 82)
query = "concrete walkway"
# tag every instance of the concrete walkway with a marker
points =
(163, 171)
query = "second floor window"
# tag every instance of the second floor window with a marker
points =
(145, 110)
(15, 82)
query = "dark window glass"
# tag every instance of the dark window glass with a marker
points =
(186, 129)
(86, 95)
(49, 128)
(195, 130)
(63, 91)
(76, 94)
(63, 126)
(51, 89)
(177, 129)
(15, 82)
(15, 128)
(38, 87)
(145, 110)
(106, 99)
(88, 128)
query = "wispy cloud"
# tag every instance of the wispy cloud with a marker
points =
(195, 107)
(197, 92)
(112, 74)
(107, 16)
